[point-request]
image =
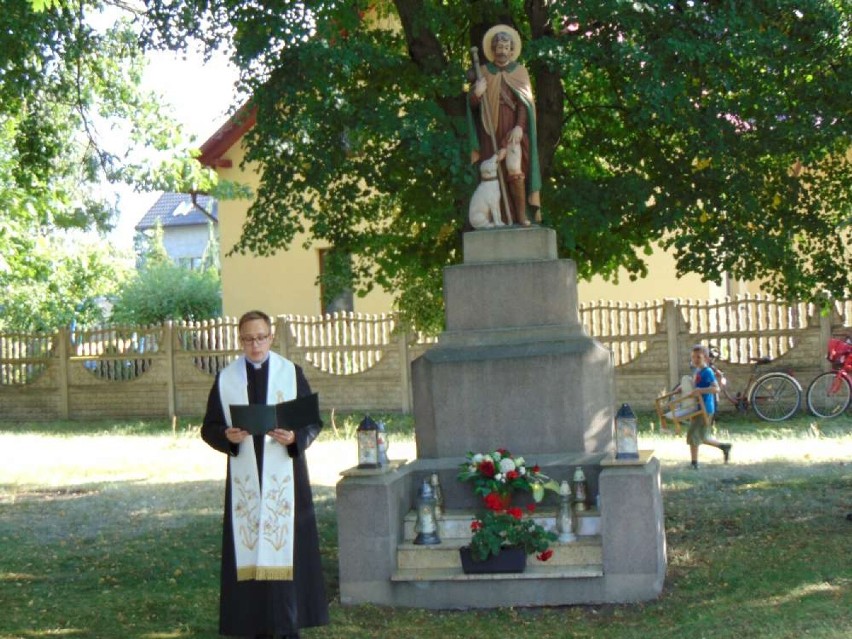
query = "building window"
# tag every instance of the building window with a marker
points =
(189, 263)
(335, 281)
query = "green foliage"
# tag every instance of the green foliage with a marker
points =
(54, 281)
(72, 116)
(165, 291)
(717, 129)
(150, 248)
(499, 529)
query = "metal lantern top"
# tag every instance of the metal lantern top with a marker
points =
(625, 412)
(367, 424)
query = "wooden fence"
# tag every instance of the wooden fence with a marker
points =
(362, 362)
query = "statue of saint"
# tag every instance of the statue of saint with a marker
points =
(501, 119)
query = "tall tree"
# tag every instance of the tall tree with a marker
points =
(718, 129)
(72, 117)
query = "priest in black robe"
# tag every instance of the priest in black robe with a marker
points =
(268, 608)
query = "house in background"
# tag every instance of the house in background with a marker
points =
(185, 224)
(286, 282)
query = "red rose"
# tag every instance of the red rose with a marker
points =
(512, 474)
(547, 554)
(536, 469)
(517, 513)
(486, 468)
(475, 525)
(503, 452)
(531, 508)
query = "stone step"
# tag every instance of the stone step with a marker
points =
(455, 524)
(534, 570)
(586, 551)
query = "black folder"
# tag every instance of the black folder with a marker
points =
(255, 418)
(258, 419)
(298, 413)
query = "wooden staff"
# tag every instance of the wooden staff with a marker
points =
(486, 113)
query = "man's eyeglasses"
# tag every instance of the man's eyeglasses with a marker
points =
(257, 340)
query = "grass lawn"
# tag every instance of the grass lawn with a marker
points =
(112, 530)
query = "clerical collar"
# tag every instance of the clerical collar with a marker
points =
(258, 365)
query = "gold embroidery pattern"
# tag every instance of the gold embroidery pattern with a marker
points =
(276, 528)
(247, 512)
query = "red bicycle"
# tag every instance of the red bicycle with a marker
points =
(830, 394)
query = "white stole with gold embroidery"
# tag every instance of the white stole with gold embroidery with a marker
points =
(262, 521)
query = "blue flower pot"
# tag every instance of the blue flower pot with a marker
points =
(508, 560)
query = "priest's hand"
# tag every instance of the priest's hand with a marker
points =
(236, 435)
(283, 437)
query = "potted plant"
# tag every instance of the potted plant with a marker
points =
(502, 538)
(499, 473)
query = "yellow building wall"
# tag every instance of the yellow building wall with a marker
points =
(284, 283)
(661, 282)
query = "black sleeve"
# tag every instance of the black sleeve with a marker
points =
(214, 425)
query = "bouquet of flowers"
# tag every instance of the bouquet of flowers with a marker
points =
(499, 528)
(502, 473)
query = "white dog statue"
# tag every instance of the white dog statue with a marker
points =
(484, 211)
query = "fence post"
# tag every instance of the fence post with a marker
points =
(62, 353)
(404, 372)
(282, 330)
(672, 340)
(169, 343)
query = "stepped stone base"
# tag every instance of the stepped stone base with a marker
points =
(514, 369)
(380, 565)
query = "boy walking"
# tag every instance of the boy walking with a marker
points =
(706, 388)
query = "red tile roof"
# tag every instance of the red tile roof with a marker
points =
(218, 144)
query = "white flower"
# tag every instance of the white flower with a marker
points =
(522, 471)
(499, 477)
(519, 461)
(477, 458)
(495, 456)
(506, 465)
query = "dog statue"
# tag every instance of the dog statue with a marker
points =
(484, 211)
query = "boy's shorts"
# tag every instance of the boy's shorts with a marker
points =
(697, 433)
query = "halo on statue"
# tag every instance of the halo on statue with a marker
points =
(489, 35)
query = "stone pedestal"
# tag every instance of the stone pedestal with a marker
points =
(514, 367)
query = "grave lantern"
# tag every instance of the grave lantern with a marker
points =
(382, 444)
(626, 443)
(368, 443)
(427, 520)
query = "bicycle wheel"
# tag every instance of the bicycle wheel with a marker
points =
(822, 402)
(776, 397)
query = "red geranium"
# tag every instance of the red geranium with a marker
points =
(493, 501)
(544, 556)
(497, 529)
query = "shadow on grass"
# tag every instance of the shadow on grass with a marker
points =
(757, 550)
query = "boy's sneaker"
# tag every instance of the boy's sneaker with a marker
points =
(726, 451)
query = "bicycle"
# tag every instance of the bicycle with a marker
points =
(773, 396)
(830, 394)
